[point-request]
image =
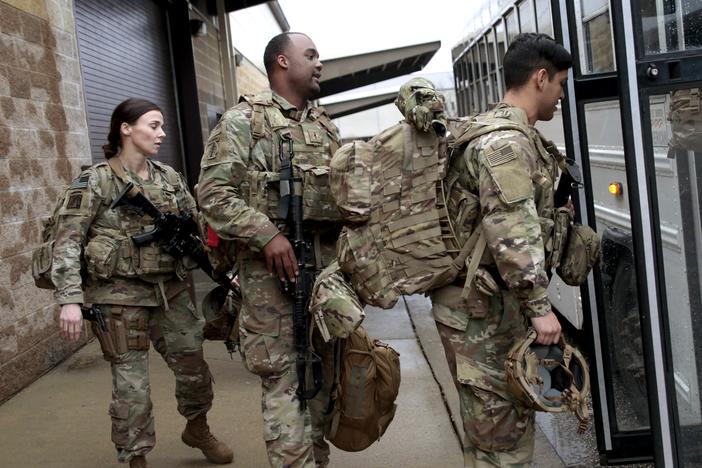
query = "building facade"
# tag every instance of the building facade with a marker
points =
(64, 65)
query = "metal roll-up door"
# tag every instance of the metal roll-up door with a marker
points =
(125, 52)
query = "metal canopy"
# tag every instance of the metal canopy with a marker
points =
(345, 73)
(231, 5)
(351, 106)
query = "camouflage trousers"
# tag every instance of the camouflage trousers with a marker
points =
(293, 437)
(499, 431)
(177, 335)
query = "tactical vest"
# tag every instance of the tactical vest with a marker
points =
(412, 229)
(464, 205)
(110, 251)
(400, 240)
(314, 142)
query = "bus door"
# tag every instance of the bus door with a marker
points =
(661, 81)
(634, 114)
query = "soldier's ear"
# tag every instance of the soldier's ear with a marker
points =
(282, 61)
(541, 77)
(125, 129)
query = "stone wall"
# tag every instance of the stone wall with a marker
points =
(208, 72)
(249, 79)
(43, 144)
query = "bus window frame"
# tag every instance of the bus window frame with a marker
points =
(615, 446)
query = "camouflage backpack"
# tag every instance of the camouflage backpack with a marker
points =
(42, 256)
(400, 238)
(686, 120)
(400, 241)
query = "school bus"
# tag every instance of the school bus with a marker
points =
(639, 316)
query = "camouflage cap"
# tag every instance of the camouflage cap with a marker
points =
(334, 304)
(422, 105)
(552, 378)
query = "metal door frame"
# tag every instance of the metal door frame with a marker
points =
(618, 446)
(675, 70)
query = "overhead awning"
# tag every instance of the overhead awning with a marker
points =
(345, 73)
(351, 106)
(233, 5)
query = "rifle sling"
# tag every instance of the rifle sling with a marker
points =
(118, 169)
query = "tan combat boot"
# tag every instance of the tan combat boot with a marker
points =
(138, 462)
(197, 434)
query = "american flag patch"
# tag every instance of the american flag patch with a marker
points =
(500, 156)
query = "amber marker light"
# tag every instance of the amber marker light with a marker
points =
(615, 188)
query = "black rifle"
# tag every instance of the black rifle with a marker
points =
(177, 234)
(290, 209)
(94, 314)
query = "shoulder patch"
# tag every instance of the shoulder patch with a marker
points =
(500, 156)
(81, 181)
(74, 200)
(509, 174)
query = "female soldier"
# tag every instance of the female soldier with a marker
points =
(137, 288)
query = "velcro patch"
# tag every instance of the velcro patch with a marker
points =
(74, 201)
(80, 182)
(500, 156)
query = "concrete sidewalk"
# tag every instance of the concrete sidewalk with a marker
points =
(61, 420)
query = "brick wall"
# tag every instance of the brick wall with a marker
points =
(208, 71)
(249, 79)
(43, 143)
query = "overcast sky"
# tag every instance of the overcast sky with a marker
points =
(349, 27)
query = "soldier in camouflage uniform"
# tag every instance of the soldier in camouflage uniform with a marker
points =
(140, 290)
(503, 183)
(239, 194)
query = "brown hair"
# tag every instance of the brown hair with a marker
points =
(128, 112)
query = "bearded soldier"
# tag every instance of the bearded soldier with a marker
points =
(240, 192)
(501, 183)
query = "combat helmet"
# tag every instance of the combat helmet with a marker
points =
(422, 105)
(552, 378)
(221, 307)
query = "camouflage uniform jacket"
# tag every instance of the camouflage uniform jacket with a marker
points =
(506, 180)
(95, 260)
(238, 191)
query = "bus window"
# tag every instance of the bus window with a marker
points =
(677, 152)
(476, 85)
(484, 74)
(669, 26)
(595, 36)
(544, 23)
(512, 25)
(492, 65)
(620, 308)
(501, 49)
(526, 17)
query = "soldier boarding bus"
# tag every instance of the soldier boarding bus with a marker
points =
(632, 119)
